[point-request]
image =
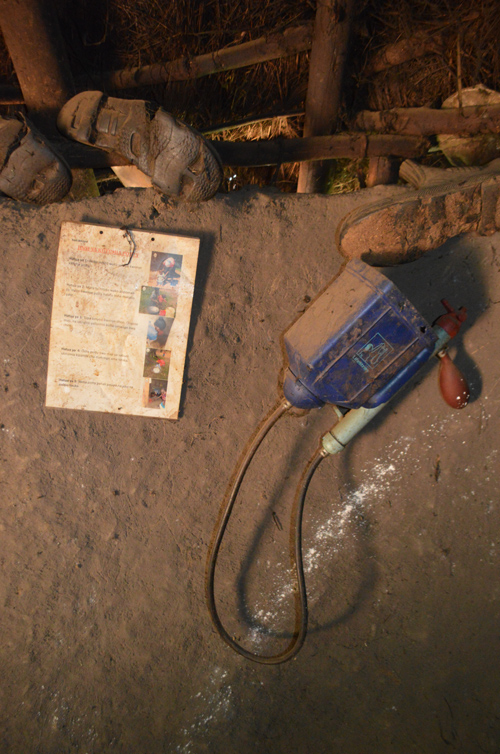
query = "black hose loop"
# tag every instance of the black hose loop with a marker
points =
(227, 507)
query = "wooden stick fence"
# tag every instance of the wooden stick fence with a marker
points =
(46, 82)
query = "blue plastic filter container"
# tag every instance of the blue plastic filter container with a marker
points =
(357, 344)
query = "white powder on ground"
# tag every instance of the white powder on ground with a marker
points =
(214, 705)
(379, 477)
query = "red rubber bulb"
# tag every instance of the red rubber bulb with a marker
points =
(452, 384)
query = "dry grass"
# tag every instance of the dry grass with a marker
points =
(470, 31)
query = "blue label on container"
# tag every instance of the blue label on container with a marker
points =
(373, 352)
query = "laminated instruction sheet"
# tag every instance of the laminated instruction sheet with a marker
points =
(120, 320)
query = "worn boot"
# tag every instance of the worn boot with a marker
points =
(30, 169)
(446, 203)
(179, 161)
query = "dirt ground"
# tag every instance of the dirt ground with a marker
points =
(106, 644)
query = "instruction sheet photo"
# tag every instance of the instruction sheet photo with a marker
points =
(120, 320)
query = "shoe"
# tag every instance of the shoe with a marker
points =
(179, 161)
(447, 202)
(31, 170)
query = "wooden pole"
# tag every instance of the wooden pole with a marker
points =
(328, 54)
(421, 121)
(290, 42)
(81, 156)
(31, 32)
(382, 171)
(314, 148)
(420, 44)
(271, 152)
(293, 40)
(404, 50)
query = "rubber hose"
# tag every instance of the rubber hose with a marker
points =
(301, 621)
